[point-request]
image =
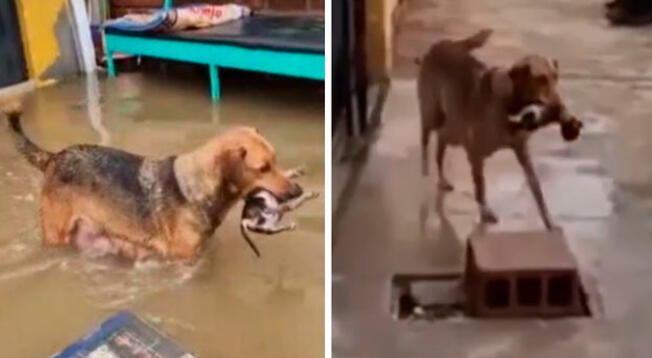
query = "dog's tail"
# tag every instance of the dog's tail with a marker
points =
(35, 155)
(245, 235)
(476, 40)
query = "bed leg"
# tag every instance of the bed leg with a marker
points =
(110, 65)
(215, 83)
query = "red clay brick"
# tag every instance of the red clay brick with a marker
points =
(522, 274)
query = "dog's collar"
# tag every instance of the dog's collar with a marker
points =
(168, 173)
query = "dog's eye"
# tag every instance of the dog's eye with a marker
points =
(265, 168)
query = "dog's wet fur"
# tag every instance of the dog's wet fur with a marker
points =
(107, 200)
(470, 104)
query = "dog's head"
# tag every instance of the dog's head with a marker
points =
(247, 162)
(534, 82)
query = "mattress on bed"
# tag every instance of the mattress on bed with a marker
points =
(271, 32)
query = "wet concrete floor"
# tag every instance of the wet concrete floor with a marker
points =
(598, 189)
(231, 304)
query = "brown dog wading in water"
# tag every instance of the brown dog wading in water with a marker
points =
(469, 104)
(113, 202)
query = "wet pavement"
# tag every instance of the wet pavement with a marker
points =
(598, 189)
(230, 304)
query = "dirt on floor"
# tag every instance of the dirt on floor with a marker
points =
(230, 304)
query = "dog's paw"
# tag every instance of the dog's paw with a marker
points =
(488, 217)
(292, 226)
(312, 195)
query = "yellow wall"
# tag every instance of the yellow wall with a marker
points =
(380, 37)
(38, 20)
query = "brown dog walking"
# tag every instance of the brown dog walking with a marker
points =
(110, 201)
(468, 103)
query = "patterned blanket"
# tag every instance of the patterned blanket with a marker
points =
(179, 18)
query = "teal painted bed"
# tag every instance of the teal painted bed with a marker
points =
(291, 46)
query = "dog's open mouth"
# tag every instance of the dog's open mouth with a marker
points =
(535, 116)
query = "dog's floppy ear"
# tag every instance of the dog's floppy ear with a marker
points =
(231, 158)
(555, 67)
(231, 165)
(519, 72)
(497, 82)
(240, 152)
(519, 75)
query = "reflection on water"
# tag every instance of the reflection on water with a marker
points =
(94, 110)
(229, 304)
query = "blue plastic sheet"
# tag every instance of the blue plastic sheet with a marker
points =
(125, 336)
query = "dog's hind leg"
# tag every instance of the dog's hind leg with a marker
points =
(425, 138)
(56, 221)
(444, 184)
(523, 157)
(428, 112)
(477, 170)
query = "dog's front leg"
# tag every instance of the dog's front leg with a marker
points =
(477, 170)
(523, 157)
(444, 184)
(295, 203)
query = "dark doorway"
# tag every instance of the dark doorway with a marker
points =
(12, 62)
(349, 90)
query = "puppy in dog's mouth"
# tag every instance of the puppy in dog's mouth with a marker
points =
(263, 214)
(534, 116)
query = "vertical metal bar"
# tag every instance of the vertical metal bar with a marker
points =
(110, 65)
(215, 83)
(86, 50)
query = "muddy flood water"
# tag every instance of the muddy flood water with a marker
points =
(230, 304)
